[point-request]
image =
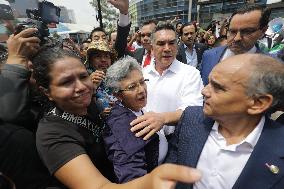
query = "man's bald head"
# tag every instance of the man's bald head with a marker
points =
(263, 75)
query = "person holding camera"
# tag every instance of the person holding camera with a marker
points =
(19, 159)
(16, 100)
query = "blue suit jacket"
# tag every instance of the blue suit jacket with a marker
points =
(190, 137)
(211, 58)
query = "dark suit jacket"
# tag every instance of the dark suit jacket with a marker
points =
(200, 48)
(121, 40)
(138, 55)
(190, 137)
(212, 57)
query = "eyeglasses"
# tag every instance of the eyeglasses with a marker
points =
(135, 86)
(243, 32)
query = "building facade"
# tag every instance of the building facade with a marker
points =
(209, 10)
(277, 8)
(162, 10)
(133, 12)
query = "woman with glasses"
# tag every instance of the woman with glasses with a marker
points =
(132, 157)
(69, 134)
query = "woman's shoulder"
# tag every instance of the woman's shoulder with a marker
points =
(120, 115)
(118, 127)
(118, 111)
(54, 122)
(58, 141)
(52, 128)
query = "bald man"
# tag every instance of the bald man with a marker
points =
(231, 139)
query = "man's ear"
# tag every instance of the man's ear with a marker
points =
(45, 92)
(260, 104)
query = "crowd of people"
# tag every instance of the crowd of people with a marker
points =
(171, 106)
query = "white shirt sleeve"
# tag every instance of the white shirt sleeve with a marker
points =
(123, 20)
(190, 94)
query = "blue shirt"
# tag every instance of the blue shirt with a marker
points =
(191, 58)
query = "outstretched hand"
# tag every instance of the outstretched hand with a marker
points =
(22, 47)
(148, 124)
(121, 5)
(166, 176)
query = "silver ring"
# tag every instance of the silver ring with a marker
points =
(149, 127)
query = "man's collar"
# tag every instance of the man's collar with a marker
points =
(228, 53)
(173, 68)
(251, 51)
(253, 136)
(145, 52)
(185, 47)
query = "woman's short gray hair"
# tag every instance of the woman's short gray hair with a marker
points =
(119, 70)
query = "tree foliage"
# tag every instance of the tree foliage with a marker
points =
(109, 14)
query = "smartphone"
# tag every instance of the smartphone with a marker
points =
(6, 12)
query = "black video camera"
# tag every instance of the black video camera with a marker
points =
(46, 13)
(6, 12)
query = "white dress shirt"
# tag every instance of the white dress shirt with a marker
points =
(191, 57)
(221, 164)
(163, 143)
(178, 87)
(228, 53)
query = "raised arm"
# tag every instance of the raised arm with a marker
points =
(15, 77)
(123, 26)
(80, 173)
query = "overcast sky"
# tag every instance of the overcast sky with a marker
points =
(84, 12)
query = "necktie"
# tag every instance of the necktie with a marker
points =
(147, 60)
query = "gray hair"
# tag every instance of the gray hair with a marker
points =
(267, 77)
(119, 70)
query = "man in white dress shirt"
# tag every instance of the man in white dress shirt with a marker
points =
(172, 85)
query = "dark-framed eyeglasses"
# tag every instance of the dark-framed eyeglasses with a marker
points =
(6, 182)
(243, 32)
(135, 86)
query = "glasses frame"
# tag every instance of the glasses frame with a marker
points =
(135, 88)
(243, 32)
